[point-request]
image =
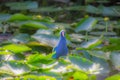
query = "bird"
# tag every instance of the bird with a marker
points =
(61, 48)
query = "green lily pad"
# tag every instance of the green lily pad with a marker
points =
(17, 67)
(22, 38)
(4, 17)
(80, 76)
(80, 62)
(115, 58)
(4, 52)
(104, 33)
(22, 5)
(48, 40)
(93, 9)
(85, 24)
(110, 11)
(104, 67)
(114, 77)
(16, 48)
(84, 64)
(90, 44)
(100, 54)
(75, 8)
(19, 17)
(31, 27)
(47, 9)
(40, 60)
(46, 77)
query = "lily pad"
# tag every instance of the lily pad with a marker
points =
(90, 44)
(22, 5)
(4, 17)
(17, 67)
(114, 77)
(100, 54)
(16, 48)
(19, 17)
(48, 40)
(115, 58)
(47, 9)
(93, 9)
(110, 11)
(103, 64)
(22, 38)
(84, 64)
(31, 27)
(77, 75)
(75, 8)
(104, 33)
(85, 24)
(4, 52)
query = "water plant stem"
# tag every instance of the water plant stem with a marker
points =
(106, 25)
(86, 36)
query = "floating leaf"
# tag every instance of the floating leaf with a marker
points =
(110, 11)
(17, 67)
(100, 54)
(4, 17)
(114, 77)
(49, 40)
(36, 77)
(74, 8)
(28, 77)
(4, 52)
(62, 25)
(80, 76)
(115, 58)
(22, 38)
(49, 25)
(92, 9)
(80, 62)
(46, 77)
(90, 44)
(103, 65)
(38, 60)
(114, 45)
(84, 64)
(62, 67)
(16, 48)
(31, 27)
(19, 17)
(22, 5)
(105, 33)
(43, 31)
(47, 9)
(86, 24)
(76, 37)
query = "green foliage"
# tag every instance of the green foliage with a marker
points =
(31, 27)
(114, 77)
(80, 76)
(16, 48)
(91, 44)
(86, 24)
(22, 5)
(114, 45)
(4, 52)
(46, 77)
(19, 17)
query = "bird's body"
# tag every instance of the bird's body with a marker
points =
(61, 48)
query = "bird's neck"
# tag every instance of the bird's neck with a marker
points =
(62, 40)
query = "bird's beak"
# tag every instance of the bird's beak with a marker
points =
(63, 34)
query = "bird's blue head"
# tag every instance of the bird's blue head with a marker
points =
(62, 33)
